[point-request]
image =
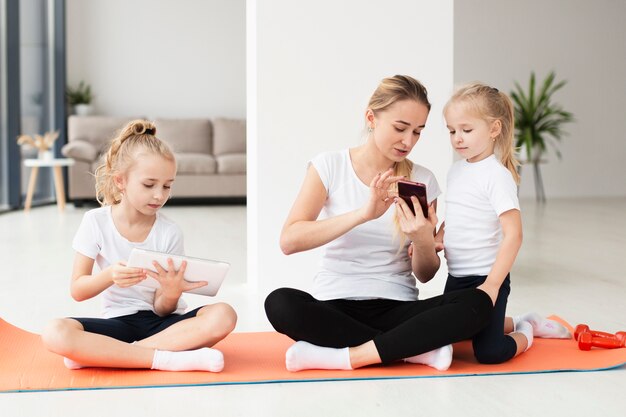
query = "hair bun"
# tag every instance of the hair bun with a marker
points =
(142, 127)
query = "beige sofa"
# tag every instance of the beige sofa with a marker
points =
(211, 154)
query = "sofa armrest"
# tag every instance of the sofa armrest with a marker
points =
(81, 150)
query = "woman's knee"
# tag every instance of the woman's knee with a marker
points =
(58, 335)
(280, 306)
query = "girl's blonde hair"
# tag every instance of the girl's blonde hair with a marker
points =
(137, 136)
(392, 90)
(490, 104)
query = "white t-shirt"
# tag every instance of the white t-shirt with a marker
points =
(98, 238)
(478, 193)
(365, 262)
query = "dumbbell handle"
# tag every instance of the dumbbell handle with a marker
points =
(586, 341)
(583, 328)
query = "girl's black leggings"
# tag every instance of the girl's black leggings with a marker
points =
(399, 329)
(491, 345)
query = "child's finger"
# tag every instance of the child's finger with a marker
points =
(193, 285)
(159, 268)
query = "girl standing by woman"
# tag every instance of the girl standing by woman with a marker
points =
(482, 232)
(142, 327)
(364, 308)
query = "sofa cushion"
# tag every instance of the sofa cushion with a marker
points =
(229, 136)
(185, 135)
(81, 150)
(231, 164)
(97, 130)
(195, 163)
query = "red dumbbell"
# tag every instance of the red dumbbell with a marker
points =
(586, 341)
(583, 328)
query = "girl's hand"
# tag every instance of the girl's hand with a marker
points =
(379, 201)
(439, 246)
(172, 282)
(124, 276)
(415, 225)
(491, 290)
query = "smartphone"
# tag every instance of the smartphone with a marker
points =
(406, 189)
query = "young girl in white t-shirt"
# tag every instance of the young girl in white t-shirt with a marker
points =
(483, 226)
(141, 327)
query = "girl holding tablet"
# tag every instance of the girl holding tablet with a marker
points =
(141, 327)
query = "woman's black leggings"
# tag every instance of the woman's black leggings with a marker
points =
(491, 345)
(399, 329)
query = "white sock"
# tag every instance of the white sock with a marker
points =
(543, 327)
(70, 364)
(439, 359)
(302, 355)
(205, 359)
(526, 329)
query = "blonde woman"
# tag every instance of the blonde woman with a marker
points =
(364, 309)
(141, 327)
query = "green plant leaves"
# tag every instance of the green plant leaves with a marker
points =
(539, 121)
(79, 95)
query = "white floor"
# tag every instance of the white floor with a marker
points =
(571, 264)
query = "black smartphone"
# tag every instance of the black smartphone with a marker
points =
(406, 189)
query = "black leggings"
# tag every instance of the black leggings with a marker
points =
(491, 345)
(399, 329)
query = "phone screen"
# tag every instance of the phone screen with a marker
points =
(406, 189)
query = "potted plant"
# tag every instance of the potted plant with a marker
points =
(80, 98)
(539, 123)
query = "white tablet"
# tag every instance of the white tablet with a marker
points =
(198, 269)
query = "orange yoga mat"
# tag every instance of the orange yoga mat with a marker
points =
(260, 358)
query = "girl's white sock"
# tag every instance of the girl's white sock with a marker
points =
(439, 359)
(543, 327)
(302, 355)
(205, 359)
(526, 329)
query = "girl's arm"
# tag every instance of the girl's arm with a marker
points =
(86, 285)
(424, 259)
(511, 222)
(302, 231)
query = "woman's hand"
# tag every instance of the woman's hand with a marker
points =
(380, 200)
(172, 282)
(124, 276)
(415, 225)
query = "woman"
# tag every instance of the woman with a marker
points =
(364, 308)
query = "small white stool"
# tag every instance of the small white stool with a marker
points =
(56, 164)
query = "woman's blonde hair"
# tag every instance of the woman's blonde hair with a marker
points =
(390, 91)
(490, 104)
(137, 136)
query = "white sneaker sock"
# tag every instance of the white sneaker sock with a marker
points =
(70, 364)
(439, 359)
(303, 355)
(526, 329)
(543, 327)
(205, 359)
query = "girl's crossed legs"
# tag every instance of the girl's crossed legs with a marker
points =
(144, 340)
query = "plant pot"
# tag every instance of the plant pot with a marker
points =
(83, 109)
(46, 155)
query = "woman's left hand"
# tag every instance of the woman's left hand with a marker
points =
(415, 225)
(172, 281)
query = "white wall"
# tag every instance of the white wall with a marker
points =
(317, 63)
(500, 41)
(160, 58)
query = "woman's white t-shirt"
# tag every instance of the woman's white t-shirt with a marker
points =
(98, 239)
(365, 262)
(477, 194)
